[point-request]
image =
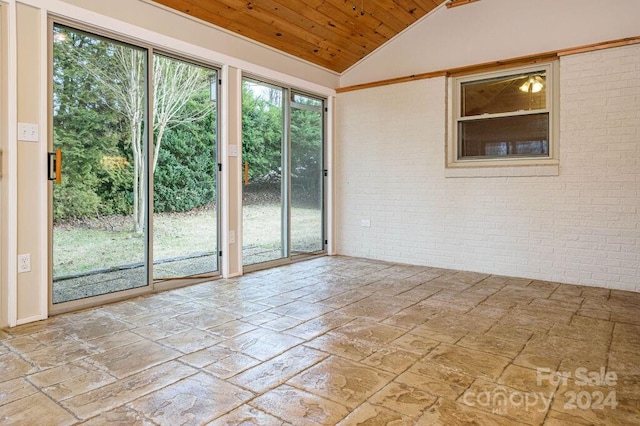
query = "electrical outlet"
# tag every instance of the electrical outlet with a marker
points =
(366, 223)
(24, 263)
(232, 237)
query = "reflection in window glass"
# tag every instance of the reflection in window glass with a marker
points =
(511, 93)
(524, 135)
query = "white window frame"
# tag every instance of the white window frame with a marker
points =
(552, 107)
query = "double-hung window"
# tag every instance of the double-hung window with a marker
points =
(503, 118)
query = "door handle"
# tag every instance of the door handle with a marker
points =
(54, 166)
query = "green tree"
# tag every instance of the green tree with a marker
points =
(262, 127)
(119, 74)
(85, 129)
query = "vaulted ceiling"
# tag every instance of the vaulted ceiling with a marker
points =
(334, 34)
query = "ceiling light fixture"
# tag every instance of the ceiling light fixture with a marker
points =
(534, 84)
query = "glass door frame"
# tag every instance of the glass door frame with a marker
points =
(176, 282)
(288, 93)
(323, 168)
(150, 286)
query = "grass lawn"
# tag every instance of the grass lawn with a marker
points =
(105, 243)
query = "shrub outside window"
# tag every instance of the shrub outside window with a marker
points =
(503, 118)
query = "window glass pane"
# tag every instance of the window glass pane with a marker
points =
(305, 100)
(306, 218)
(520, 92)
(99, 208)
(184, 169)
(263, 194)
(524, 135)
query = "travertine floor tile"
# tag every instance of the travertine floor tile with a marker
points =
(26, 344)
(246, 415)
(450, 413)
(414, 343)
(436, 380)
(412, 316)
(594, 404)
(14, 367)
(342, 381)
(320, 325)
(193, 400)
(206, 318)
(299, 407)
(126, 360)
(392, 360)
(71, 379)
(96, 326)
(301, 310)
(278, 370)
(526, 379)
(468, 361)
(369, 331)
(52, 356)
(15, 389)
(374, 415)
(262, 344)
(231, 365)
(529, 407)
(190, 341)
(115, 340)
(161, 329)
(491, 344)
(231, 329)
(206, 356)
(337, 344)
(36, 408)
(333, 340)
(404, 399)
(371, 307)
(120, 416)
(116, 394)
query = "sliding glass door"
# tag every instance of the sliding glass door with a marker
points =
(264, 191)
(185, 169)
(307, 136)
(125, 135)
(100, 199)
(283, 188)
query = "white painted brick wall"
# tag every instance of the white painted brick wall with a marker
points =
(581, 227)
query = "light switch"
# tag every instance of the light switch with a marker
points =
(233, 150)
(28, 132)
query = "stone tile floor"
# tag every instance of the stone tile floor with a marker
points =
(334, 341)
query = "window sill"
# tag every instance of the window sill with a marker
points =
(472, 170)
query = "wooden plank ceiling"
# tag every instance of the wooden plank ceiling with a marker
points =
(334, 34)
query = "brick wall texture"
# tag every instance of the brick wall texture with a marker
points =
(581, 226)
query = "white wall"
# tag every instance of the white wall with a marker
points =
(581, 227)
(491, 30)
